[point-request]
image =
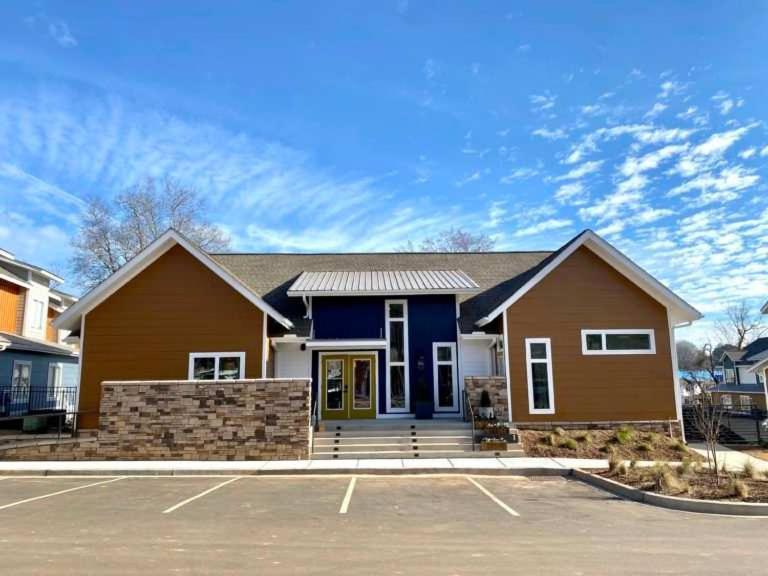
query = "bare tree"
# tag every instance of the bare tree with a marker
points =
(452, 240)
(688, 356)
(113, 232)
(741, 326)
(707, 411)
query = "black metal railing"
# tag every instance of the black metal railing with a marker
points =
(31, 400)
(470, 413)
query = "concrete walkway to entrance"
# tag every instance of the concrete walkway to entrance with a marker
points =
(523, 466)
(734, 460)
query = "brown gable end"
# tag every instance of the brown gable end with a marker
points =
(147, 329)
(585, 292)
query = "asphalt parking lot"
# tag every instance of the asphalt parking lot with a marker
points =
(356, 525)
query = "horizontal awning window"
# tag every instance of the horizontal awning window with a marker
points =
(383, 282)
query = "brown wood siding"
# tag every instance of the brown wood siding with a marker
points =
(147, 329)
(585, 292)
(11, 300)
(51, 334)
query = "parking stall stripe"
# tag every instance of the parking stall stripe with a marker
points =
(59, 493)
(348, 496)
(204, 493)
(492, 496)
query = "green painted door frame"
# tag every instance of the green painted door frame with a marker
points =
(348, 385)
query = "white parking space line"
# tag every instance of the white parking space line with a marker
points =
(58, 493)
(203, 493)
(490, 495)
(348, 496)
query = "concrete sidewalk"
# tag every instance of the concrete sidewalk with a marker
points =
(522, 466)
(733, 459)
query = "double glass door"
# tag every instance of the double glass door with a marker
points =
(348, 386)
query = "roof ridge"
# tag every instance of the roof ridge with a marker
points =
(484, 253)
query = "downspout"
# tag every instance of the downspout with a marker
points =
(676, 373)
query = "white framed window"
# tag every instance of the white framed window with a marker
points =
(38, 309)
(541, 391)
(745, 400)
(726, 401)
(444, 377)
(499, 358)
(216, 366)
(55, 370)
(621, 341)
(21, 376)
(396, 328)
(729, 371)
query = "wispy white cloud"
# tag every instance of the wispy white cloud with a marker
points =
(589, 167)
(572, 193)
(655, 110)
(554, 134)
(542, 102)
(518, 174)
(544, 226)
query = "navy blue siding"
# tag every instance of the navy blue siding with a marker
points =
(430, 319)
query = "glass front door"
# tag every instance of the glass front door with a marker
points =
(348, 386)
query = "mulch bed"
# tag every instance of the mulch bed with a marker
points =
(698, 485)
(635, 445)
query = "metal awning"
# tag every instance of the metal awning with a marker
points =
(382, 282)
(359, 344)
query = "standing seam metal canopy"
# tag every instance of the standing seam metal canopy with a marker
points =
(385, 281)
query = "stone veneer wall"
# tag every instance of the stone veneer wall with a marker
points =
(497, 389)
(266, 419)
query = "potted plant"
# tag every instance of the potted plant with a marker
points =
(496, 437)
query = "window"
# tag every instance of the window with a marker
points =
(726, 401)
(217, 366)
(398, 394)
(20, 379)
(538, 357)
(729, 372)
(37, 314)
(745, 401)
(499, 358)
(444, 376)
(622, 341)
(54, 380)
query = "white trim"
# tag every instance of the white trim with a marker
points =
(620, 262)
(676, 376)
(406, 354)
(27, 363)
(264, 346)
(362, 345)
(606, 352)
(454, 376)
(31, 268)
(550, 384)
(507, 374)
(68, 320)
(13, 280)
(80, 356)
(52, 387)
(479, 336)
(287, 339)
(216, 356)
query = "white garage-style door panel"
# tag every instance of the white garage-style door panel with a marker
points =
(292, 362)
(475, 358)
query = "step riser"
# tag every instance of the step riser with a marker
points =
(418, 455)
(398, 433)
(392, 440)
(390, 426)
(394, 448)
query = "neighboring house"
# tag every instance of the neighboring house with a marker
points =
(743, 381)
(38, 370)
(759, 368)
(581, 334)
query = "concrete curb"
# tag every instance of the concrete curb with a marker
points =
(671, 502)
(532, 471)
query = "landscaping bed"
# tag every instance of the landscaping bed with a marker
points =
(624, 443)
(692, 480)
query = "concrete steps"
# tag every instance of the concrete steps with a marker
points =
(397, 439)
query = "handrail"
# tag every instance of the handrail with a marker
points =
(471, 412)
(313, 419)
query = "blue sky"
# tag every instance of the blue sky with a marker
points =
(342, 126)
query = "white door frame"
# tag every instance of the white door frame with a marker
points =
(453, 363)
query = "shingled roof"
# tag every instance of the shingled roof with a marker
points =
(498, 274)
